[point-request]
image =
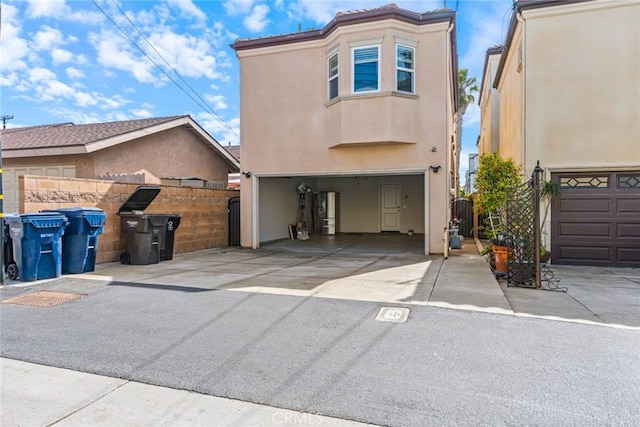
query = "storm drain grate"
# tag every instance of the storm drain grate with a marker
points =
(43, 299)
(393, 314)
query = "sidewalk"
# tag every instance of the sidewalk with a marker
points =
(38, 395)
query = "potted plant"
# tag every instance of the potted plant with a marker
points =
(495, 176)
(549, 191)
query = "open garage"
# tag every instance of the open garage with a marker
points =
(364, 204)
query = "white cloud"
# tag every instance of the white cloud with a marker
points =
(61, 56)
(8, 79)
(13, 49)
(188, 9)
(142, 113)
(84, 99)
(46, 8)
(219, 131)
(60, 10)
(47, 38)
(238, 7)
(74, 73)
(218, 102)
(113, 103)
(189, 55)
(472, 115)
(257, 21)
(37, 75)
(114, 52)
(54, 90)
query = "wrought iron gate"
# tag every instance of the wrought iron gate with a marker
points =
(234, 221)
(462, 208)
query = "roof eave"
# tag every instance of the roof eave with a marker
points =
(347, 19)
(44, 151)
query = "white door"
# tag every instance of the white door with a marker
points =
(390, 205)
(10, 181)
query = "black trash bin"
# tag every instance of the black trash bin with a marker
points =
(142, 231)
(167, 236)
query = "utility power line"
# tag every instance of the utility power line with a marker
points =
(202, 103)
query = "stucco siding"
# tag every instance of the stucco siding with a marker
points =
(82, 163)
(512, 102)
(175, 152)
(288, 109)
(583, 86)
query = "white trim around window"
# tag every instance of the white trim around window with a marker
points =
(332, 76)
(365, 69)
(405, 68)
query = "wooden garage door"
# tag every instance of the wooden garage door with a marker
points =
(597, 219)
(10, 181)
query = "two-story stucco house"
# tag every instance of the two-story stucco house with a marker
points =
(363, 107)
(565, 92)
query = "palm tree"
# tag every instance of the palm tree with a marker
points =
(467, 87)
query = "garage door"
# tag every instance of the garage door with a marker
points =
(597, 219)
(10, 181)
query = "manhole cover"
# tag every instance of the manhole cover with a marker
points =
(43, 299)
(393, 314)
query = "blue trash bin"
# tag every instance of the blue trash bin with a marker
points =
(37, 245)
(80, 240)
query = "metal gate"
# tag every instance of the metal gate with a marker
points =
(462, 208)
(234, 221)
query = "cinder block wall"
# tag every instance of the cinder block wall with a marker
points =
(204, 222)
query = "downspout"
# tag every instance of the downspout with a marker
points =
(523, 45)
(255, 244)
(452, 128)
(426, 212)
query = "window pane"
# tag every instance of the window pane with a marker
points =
(333, 65)
(333, 88)
(405, 57)
(365, 77)
(365, 69)
(405, 81)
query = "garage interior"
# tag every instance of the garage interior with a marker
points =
(366, 204)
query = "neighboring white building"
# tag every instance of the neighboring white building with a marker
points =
(470, 185)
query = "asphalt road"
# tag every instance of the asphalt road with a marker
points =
(326, 356)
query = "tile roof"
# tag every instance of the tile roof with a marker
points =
(234, 150)
(69, 134)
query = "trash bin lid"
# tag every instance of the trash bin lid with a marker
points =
(140, 199)
(77, 211)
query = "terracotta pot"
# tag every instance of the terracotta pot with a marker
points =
(500, 254)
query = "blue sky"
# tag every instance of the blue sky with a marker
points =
(77, 60)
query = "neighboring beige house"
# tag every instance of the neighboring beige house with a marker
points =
(363, 107)
(568, 82)
(489, 102)
(146, 151)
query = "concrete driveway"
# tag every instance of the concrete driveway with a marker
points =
(385, 268)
